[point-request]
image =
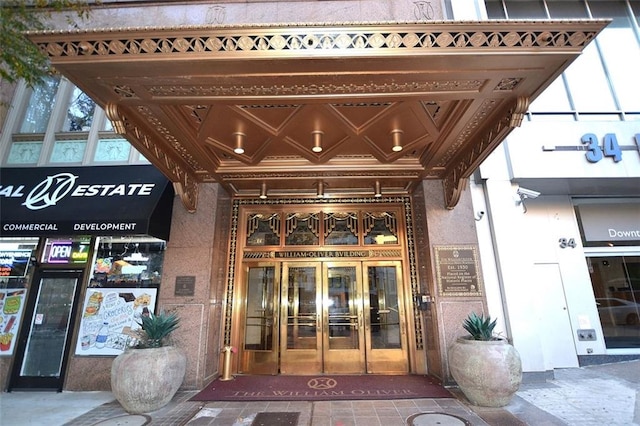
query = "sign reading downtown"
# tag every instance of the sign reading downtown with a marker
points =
(109, 200)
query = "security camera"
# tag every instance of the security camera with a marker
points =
(527, 193)
(479, 215)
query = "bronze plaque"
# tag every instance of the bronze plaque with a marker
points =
(457, 270)
(185, 285)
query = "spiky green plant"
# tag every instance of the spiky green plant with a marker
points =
(479, 327)
(155, 328)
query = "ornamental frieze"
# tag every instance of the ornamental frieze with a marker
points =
(286, 41)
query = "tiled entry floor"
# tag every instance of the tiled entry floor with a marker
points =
(181, 411)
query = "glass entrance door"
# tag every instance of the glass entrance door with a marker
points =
(43, 345)
(386, 343)
(259, 348)
(301, 333)
(343, 336)
(321, 314)
(331, 317)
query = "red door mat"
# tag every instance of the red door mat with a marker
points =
(322, 388)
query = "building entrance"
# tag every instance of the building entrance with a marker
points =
(323, 317)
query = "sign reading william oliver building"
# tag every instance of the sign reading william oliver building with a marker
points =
(457, 270)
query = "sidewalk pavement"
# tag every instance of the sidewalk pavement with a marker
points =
(596, 395)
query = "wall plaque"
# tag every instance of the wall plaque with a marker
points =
(457, 270)
(185, 285)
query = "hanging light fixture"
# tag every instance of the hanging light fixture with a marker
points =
(320, 189)
(239, 148)
(263, 191)
(396, 136)
(378, 190)
(317, 141)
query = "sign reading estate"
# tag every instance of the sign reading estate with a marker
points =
(457, 270)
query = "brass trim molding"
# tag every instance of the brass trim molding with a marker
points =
(322, 40)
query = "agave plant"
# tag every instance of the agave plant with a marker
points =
(155, 328)
(479, 327)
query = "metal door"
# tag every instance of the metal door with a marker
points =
(43, 346)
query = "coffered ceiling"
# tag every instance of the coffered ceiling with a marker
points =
(383, 105)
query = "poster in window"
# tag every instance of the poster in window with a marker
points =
(14, 263)
(11, 309)
(110, 316)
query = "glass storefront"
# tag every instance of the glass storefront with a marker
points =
(109, 282)
(611, 237)
(616, 286)
(16, 269)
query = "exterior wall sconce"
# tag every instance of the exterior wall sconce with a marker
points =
(317, 141)
(378, 190)
(396, 136)
(239, 149)
(263, 191)
(320, 189)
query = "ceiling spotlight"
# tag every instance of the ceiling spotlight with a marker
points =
(317, 141)
(263, 191)
(396, 136)
(239, 149)
(378, 190)
(320, 190)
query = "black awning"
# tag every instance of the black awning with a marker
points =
(106, 200)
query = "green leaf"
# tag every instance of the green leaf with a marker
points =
(19, 57)
(479, 327)
(156, 328)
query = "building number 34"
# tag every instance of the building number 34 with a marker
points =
(609, 148)
(567, 242)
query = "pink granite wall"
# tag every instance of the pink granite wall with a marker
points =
(446, 227)
(197, 248)
(194, 249)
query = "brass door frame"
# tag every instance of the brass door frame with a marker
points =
(258, 360)
(364, 253)
(319, 341)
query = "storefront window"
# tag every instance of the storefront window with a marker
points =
(15, 261)
(616, 286)
(15, 269)
(127, 261)
(608, 229)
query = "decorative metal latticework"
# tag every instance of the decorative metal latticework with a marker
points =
(263, 230)
(369, 217)
(198, 40)
(302, 229)
(380, 228)
(341, 228)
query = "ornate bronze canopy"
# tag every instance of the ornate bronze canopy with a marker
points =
(283, 111)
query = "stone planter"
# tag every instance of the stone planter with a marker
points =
(145, 380)
(488, 372)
